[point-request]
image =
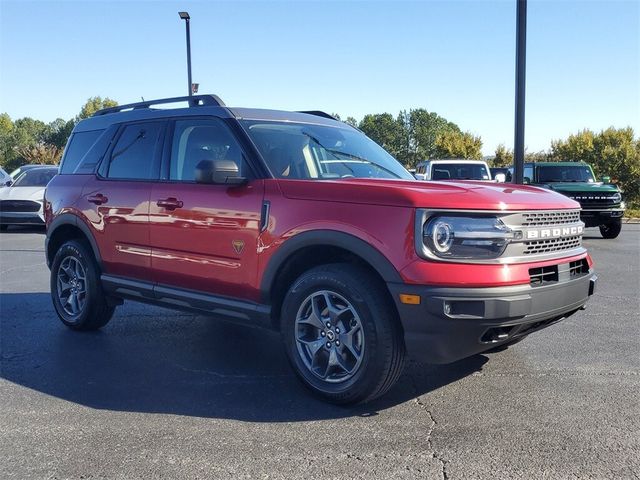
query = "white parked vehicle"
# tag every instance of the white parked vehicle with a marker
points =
(453, 169)
(21, 203)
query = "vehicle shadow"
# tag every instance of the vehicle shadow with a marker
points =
(157, 361)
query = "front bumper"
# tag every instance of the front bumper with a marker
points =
(21, 218)
(596, 217)
(453, 323)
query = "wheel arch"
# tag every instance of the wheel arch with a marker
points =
(65, 227)
(310, 249)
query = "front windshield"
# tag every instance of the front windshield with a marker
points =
(37, 177)
(459, 171)
(565, 173)
(303, 151)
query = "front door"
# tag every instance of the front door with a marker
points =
(204, 237)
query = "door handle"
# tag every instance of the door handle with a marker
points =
(98, 199)
(170, 203)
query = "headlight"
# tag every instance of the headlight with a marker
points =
(466, 237)
(616, 197)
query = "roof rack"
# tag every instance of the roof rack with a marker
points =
(194, 101)
(318, 113)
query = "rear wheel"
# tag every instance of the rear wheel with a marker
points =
(611, 229)
(342, 334)
(76, 291)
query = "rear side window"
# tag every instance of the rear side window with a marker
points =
(135, 154)
(78, 147)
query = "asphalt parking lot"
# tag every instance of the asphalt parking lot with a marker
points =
(170, 395)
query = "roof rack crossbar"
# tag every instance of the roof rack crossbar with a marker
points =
(194, 101)
(318, 113)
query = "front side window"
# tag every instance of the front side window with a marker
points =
(303, 151)
(134, 156)
(201, 139)
(565, 173)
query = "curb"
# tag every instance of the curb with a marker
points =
(631, 220)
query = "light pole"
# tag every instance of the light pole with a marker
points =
(185, 16)
(521, 54)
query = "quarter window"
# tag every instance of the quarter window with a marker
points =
(134, 156)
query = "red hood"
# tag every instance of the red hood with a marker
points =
(443, 195)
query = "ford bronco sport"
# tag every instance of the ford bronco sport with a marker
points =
(601, 202)
(300, 223)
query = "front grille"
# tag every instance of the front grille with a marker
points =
(19, 206)
(550, 218)
(543, 275)
(551, 245)
(595, 201)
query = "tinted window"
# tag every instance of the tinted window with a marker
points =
(134, 155)
(565, 173)
(197, 140)
(459, 171)
(36, 177)
(79, 144)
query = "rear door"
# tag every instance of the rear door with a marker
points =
(205, 237)
(116, 200)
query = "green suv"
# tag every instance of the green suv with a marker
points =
(601, 202)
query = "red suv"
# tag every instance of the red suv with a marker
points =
(300, 223)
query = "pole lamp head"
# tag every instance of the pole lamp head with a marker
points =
(184, 15)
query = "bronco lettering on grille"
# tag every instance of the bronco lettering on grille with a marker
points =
(554, 232)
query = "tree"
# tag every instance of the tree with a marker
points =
(58, 132)
(503, 157)
(94, 104)
(42, 153)
(351, 121)
(455, 144)
(423, 129)
(385, 131)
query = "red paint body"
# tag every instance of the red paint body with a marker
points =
(192, 247)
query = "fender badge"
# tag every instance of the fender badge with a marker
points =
(238, 246)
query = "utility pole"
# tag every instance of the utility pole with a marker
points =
(521, 54)
(185, 16)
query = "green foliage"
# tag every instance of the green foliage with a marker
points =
(612, 152)
(383, 129)
(93, 105)
(456, 144)
(26, 140)
(503, 157)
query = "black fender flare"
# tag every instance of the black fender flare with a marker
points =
(73, 220)
(333, 238)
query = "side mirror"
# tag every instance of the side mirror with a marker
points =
(606, 179)
(8, 183)
(500, 178)
(219, 172)
(526, 180)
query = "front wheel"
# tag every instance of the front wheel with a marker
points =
(76, 291)
(342, 334)
(611, 229)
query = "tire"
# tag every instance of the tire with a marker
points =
(355, 364)
(90, 310)
(612, 229)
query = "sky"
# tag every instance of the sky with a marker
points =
(456, 58)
